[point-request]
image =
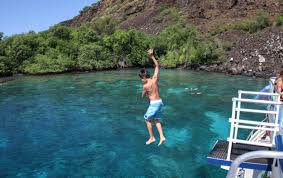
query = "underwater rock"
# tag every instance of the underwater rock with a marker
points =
(177, 137)
(219, 125)
(164, 166)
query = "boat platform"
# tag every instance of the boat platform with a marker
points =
(218, 155)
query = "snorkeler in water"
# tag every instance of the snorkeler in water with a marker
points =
(150, 89)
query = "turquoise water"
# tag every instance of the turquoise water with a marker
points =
(88, 125)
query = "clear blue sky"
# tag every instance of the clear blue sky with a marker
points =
(19, 16)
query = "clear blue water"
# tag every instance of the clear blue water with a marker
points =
(87, 125)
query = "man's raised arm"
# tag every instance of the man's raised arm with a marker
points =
(156, 69)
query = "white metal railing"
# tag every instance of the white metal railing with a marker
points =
(237, 123)
(257, 111)
(256, 101)
(251, 122)
(257, 93)
(254, 134)
(252, 155)
(250, 142)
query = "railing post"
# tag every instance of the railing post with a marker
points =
(238, 114)
(276, 128)
(231, 129)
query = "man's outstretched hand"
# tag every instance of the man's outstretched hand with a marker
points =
(150, 52)
(151, 55)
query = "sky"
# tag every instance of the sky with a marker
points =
(20, 16)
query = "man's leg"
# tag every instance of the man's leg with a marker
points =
(151, 136)
(159, 128)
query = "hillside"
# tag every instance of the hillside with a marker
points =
(148, 16)
(246, 50)
(239, 37)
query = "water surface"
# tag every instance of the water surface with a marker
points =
(88, 125)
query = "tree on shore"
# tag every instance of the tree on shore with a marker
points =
(101, 46)
(1, 35)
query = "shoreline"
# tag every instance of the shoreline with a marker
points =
(7, 79)
(214, 68)
(224, 68)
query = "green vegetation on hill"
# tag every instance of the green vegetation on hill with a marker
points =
(102, 45)
(168, 14)
(279, 20)
(250, 25)
(87, 8)
(181, 44)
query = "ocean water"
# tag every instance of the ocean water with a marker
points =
(92, 125)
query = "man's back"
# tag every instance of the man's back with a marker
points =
(151, 88)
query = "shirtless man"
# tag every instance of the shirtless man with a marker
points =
(150, 88)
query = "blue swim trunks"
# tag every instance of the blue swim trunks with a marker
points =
(154, 110)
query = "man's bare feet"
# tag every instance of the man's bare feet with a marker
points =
(162, 141)
(150, 140)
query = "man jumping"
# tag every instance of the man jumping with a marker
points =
(150, 88)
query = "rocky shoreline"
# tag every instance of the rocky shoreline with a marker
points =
(219, 68)
(6, 79)
(255, 55)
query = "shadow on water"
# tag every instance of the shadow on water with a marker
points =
(92, 124)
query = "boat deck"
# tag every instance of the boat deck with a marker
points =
(219, 152)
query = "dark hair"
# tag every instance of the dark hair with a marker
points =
(281, 73)
(144, 73)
